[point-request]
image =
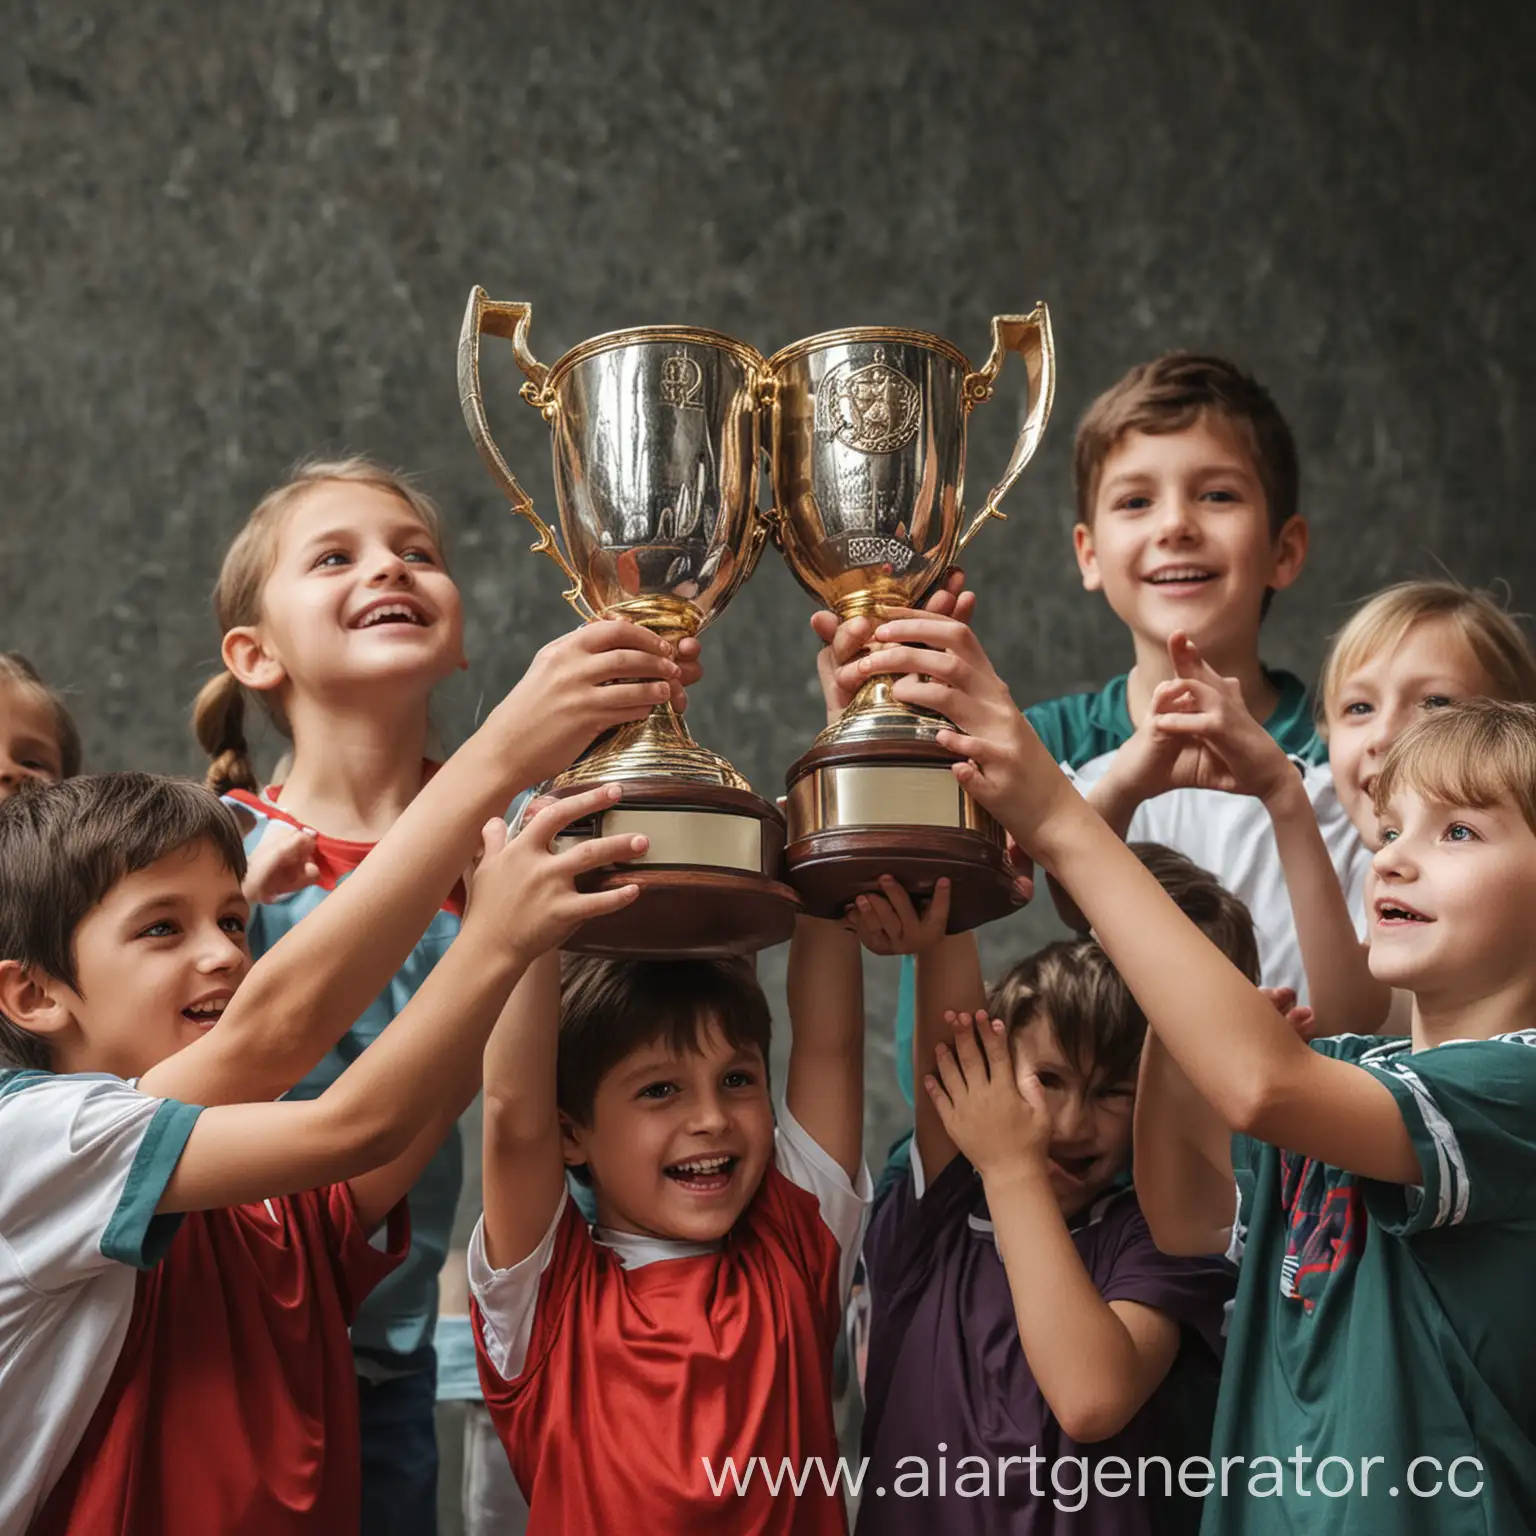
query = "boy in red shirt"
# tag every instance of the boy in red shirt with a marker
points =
(176, 1281)
(633, 1366)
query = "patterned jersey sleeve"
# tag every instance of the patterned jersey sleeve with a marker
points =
(87, 1159)
(1470, 1109)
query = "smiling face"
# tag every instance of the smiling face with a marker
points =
(29, 738)
(678, 1141)
(1090, 1117)
(156, 960)
(1429, 667)
(1450, 898)
(358, 595)
(1180, 538)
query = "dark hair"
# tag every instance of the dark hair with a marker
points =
(64, 846)
(1170, 394)
(1222, 917)
(18, 671)
(612, 1008)
(1096, 1020)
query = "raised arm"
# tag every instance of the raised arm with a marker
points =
(825, 1087)
(307, 991)
(1239, 1055)
(376, 1124)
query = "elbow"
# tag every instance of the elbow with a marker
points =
(1094, 1417)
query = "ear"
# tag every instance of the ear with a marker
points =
(571, 1142)
(33, 1001)
(1290, 553)
(251, 663)
(1087, 559)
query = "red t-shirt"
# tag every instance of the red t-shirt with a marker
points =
(633, 1377)
(232, 1408)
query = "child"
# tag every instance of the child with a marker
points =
(1026, 1313)
(338, 614)
(38, 736)
(1297, 852)
(1386, 1187)
(122, 1009)
(637, 1370)
(1187, 486)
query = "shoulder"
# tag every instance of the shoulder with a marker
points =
(1078, 726)
(1292, 722)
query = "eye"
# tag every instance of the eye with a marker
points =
(1120, 1091)
(419, 556)
(740, 1078)
(332, 559)
(1049, 1079)
(1358, 709)
(1435, 701)
(164, 929)
(232, 924)
(1221, 495)
(1460, 832)
(1390, 834)
(657, 1091)
(1133, 503)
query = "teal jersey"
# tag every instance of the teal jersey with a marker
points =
(399, 1316)
(1379, 1359)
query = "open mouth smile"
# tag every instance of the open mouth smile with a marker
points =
(206, 1013)
(1395, 914)
(1180, 576)
(1075, 1168)
(393, 610)
(703, 1175)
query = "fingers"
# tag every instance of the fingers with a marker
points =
(557, 815)
(994, 1040)
(631, 666)
(493, 837)
(613, 634)
(904, 626)
(595, 852)
(849, 639)
(1283, 998)
(590, 904)
(824, 625)
(941, 1102)
(967, 1052)
(908, 659)
(965, 608)
(629, 701)
(936, 913)
(1032, 1092)
(880, 916)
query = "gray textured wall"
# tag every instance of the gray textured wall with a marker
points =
(233, 235)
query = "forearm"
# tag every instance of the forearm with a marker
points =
(1183, 1160)
(825, 1085)
(948, 977)
(1344, 996)
(1116, 797)
(1080, 1353)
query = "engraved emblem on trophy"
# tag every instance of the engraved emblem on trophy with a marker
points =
(866, 434)
(656, 456)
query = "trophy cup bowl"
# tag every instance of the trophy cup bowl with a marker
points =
(866, 431)
(656, 455)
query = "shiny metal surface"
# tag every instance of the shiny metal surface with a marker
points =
(850, 797)
(690, 839)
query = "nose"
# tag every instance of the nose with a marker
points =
(1389, 723)
(222, 951)
(1176, 523)
(1069, 1117)
(1393, 861)
(709, 1117)
(390, 569)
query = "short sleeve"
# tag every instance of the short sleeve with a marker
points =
(505, 1299)
(844, 1208)
(86, 1162)
(360, 1260)
(1192, 1291)
(1470, 1110)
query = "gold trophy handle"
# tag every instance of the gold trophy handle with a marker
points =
(1030, 336)
(510, 322)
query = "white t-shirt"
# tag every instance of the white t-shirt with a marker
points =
(1232, 837)
(507, 1297)
(86, 1158)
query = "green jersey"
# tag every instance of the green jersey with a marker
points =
(1381, 1361)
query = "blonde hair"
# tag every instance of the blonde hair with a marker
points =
(1501, 647)
(17, 671)
(1479, 753)
(218, 716)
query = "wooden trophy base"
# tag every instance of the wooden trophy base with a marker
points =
(709, 882)
(859, 810)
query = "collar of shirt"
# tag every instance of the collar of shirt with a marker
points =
(635, 1250)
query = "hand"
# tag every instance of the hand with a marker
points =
(1000, 1124)
(284, 862)
(842, 644)
(690, 670)
(1004, 764)
(583, 684)
(1300, 1019)
(889, 924)
(1023, 871)
(1204, 735)
(523, 891)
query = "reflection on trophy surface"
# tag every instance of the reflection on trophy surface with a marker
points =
(655, 453)
(866, 435)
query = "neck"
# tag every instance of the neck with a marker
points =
(1442, 1016)
(355, 769)
(1237, 660)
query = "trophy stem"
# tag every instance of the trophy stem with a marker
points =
(659, 746)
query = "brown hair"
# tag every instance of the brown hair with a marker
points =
(1479, 753)
(1382, 621)
(1096, 1020)
(611, 1008)
(1172, 393)
(64, 846)
(16, 670)
(218, 716)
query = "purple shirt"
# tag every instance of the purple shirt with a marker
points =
(946, 1368)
